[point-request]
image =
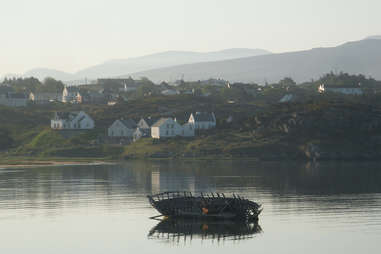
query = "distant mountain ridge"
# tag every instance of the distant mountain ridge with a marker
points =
(42, 73)
(358, 57)
(374, 37)
(243, 65)
(118, 67)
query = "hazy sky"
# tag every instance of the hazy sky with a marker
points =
(72, 34)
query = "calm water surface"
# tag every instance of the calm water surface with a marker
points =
(308, 208)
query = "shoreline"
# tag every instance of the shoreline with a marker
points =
(14, 162)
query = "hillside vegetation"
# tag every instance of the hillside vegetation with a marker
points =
(251, 122)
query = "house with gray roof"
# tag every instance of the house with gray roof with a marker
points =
(165, 128)
(43, 98)
(11, 99)
(141, 133)
(146, 123)
(169, 128)
(92, 97)
(346, 90)
(202, 120)
(122, 128)
(72, 121)
(71, 94)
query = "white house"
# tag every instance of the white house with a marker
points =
(286, 98)
(128, 88)
(187, 130)
(203, 120)
(165, 128)
(43, 98)
(141, 133)
(169, 128)
(168, 92)
(122, 128)
(71, 94)
(343, 90)
(146, 123)
(72, 121)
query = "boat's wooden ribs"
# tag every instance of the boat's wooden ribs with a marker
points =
(216, 205)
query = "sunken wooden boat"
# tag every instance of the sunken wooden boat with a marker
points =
(206, 206)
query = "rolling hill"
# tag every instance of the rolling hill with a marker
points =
(119, 67)
(170, 58)
(358, 57)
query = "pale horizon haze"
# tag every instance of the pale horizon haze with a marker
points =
(74, 34)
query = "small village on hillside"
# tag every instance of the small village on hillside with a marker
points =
(127, 118)
(110, 91)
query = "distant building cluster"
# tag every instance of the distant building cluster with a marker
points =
(343, 90)
(128, 129)
(108, 92)
(161, 127)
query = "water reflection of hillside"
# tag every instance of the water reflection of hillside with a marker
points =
(131, 181)
(181, 230)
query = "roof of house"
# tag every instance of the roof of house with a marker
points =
(66, 115)
(287, 98)
(72, 89)
(204, 117)
(46, 96)
(160, 122)
(17, 96)
(335, 86)
(150, 120)
(129, 123)
(5, 89)
(92, 93)
(170, 92)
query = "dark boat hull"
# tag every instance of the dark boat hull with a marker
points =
(218, 207)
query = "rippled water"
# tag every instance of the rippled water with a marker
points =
(308, 208)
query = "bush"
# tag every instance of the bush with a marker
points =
(6, 140)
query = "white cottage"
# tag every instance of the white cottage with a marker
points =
(71, 94)
(286, 98)
(343, 90)
(165, 128)
(122, 128)
(168, 92)
(43, 98)
(169, 128)
(146, 123)
(203, 120)
(72, 121)
(141, 133)
(187, 130)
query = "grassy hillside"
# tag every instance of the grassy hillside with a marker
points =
(311, 126)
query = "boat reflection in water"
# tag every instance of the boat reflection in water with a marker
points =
(176, 230)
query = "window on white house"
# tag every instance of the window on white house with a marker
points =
(166, 133)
